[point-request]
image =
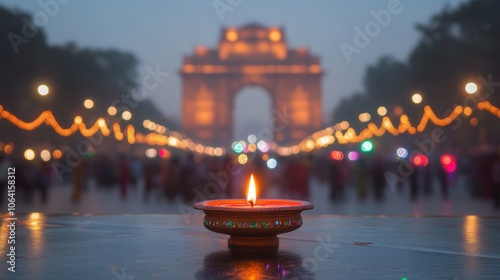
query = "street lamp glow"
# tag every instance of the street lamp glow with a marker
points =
(112, 110)
(43, 90)
(364, 117)
(471, 88)
(416, 98)
(382, 111)
(45, 155)
(126, 115)
(88, 103)
(29, 154)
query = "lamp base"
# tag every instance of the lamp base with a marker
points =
(259, 246)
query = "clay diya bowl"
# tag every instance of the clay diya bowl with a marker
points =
(252, 229)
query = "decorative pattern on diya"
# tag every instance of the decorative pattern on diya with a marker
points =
(252, 223)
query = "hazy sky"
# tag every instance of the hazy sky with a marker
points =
(162, 32)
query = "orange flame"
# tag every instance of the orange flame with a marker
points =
(251, 195)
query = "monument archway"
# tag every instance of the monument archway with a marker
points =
(246, 102)
(251, 55)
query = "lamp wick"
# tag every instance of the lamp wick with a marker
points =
(251, 203)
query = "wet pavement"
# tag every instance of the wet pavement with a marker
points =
(325, 247)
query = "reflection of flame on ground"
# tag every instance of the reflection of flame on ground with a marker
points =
(222, 265)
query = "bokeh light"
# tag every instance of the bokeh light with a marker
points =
(126, 115)
(151, 153)
(449, 163)
(402, 152)
(364, 117)
(352, 156)
(382, 111)
(474, 121)
(88, 103)
(471, 88)
(237, 147)
(252, 138)
(45, 155)
(263, 146)
(112, 110)
(416, 98)
(336, 155)
(8, 149)
(272, 163)
(366, 146)
(56, 154)
(43, 90)
(420, 160)
(252, 147)
(78, 120)
(242, 159)
(398, 110)
(29, 154)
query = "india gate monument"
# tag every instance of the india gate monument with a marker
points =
(258, 56)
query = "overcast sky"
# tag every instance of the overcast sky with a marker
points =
(162, 32)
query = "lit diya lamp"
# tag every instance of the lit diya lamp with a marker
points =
(253, 225)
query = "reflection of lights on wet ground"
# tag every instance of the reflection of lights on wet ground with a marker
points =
(471, 235)
(35, 223)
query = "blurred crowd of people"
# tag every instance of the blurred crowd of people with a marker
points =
(192, 177)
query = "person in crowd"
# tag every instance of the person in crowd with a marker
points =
(414, 188)
(338, 179)
(78, 180)
(443, 179)
(495, 179)
(124, 173)
(189, 178)
(361, 179)
(45, 175)
(297, 174)
(378, 179)
(228, 168)
(427, 187)
(172, 184)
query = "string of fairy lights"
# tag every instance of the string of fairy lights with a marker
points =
(162, 136)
